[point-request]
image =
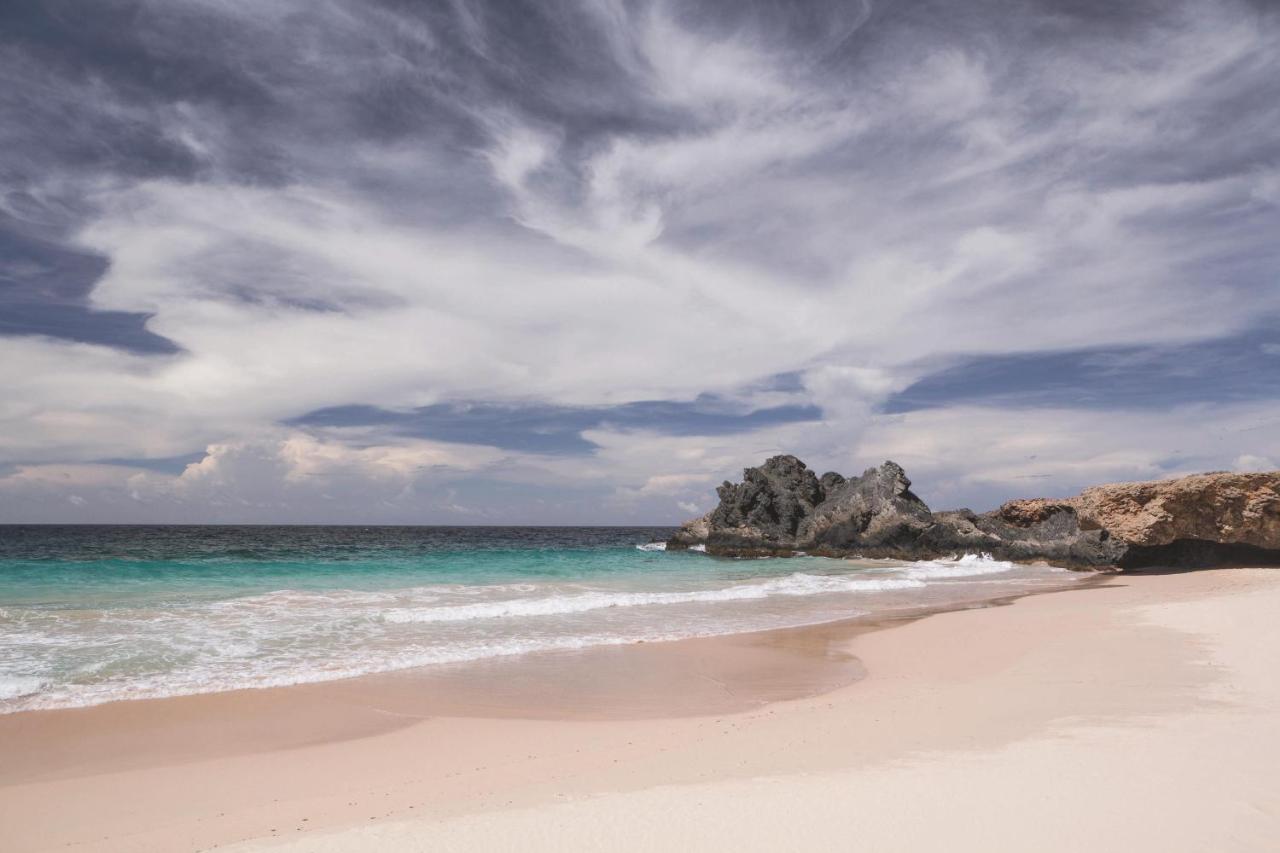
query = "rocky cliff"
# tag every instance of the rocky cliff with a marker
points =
(782, 507)
(1204, 519)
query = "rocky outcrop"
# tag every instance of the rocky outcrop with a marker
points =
(695, 531)
(782, 508)
(766, 509)
(1204, 519)
(876, 512)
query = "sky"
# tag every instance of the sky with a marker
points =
(579, 261)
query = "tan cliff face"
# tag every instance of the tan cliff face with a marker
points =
(1242, 509)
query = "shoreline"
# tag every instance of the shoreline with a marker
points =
(422, 672)
(226, 772)
(379, 634)
(125, 732)
(686, 677)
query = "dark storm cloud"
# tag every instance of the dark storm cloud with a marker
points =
(558, 429)
(1038, 64)
(111, 90)
(119, 92)
(127, 91)
(1242, 368)
(120, 329)
(163, 465)
(43, 291)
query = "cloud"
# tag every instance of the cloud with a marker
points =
(1249, 462)
(286, 476)
(980, 455)
(559, 429)
(1224, 370)
(511, 232)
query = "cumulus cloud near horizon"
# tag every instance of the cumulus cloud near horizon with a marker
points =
(574, 261)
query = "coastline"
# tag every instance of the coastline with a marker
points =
(687, 677)
(362, 765)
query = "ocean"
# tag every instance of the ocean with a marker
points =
(93, 614)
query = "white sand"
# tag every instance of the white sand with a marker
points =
(1205, 776)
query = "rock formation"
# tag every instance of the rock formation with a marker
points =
(1204, 519)
(782, 507)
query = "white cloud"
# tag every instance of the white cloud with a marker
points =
(996, 453)
(1249, 462)
(671, 484)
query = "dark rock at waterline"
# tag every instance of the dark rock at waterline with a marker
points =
(769, 504)
(782, 507)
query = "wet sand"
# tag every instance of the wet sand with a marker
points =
(580, 750)
(713, 675)
(694, 677)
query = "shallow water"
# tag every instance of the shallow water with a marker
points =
(96, 614)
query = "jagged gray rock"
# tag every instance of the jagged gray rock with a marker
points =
(875, 511)
(781, 507)
(769, 504)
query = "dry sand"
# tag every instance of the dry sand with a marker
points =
(1141, 714)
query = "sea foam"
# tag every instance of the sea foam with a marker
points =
(15, 686)
(798, 584)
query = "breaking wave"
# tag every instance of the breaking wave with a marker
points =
(798, 584)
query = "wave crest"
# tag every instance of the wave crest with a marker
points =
(799, 584)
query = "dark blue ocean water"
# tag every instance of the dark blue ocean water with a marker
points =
(100, 613)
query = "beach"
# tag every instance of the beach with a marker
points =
(640, 426)
(1137, 713)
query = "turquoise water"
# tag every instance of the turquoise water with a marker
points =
(97, 614)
